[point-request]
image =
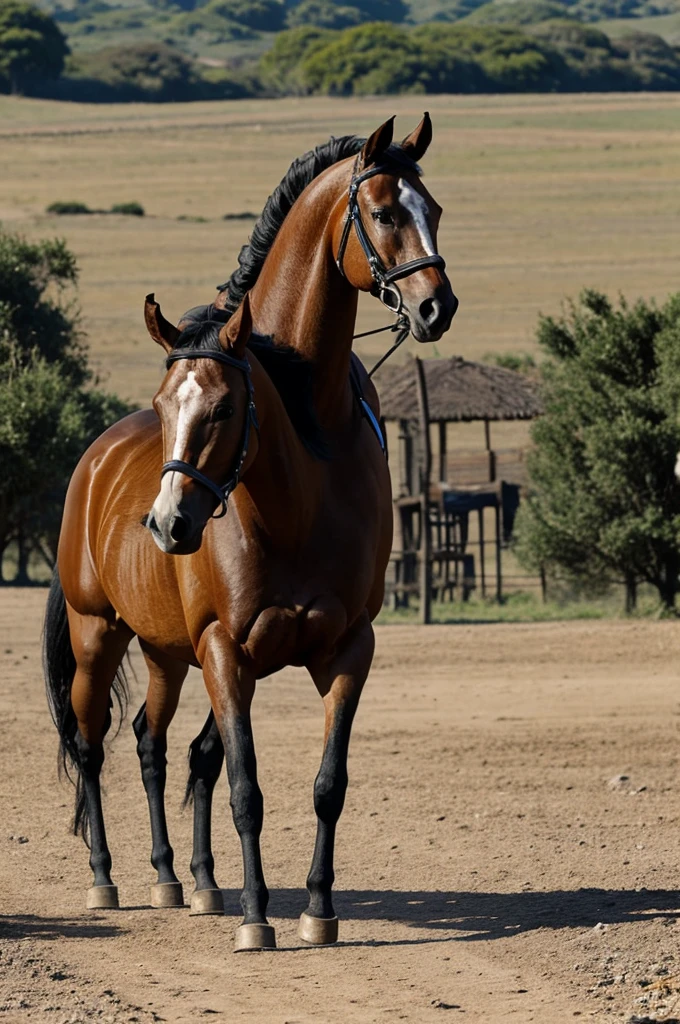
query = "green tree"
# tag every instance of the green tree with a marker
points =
(325, 14)
(49, 409)
(32, 46)
(605, 501)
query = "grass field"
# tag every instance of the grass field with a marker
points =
(542, 195)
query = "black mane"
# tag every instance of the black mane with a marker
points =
(298, 176)
(290, 374)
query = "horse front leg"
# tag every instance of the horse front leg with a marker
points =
(231, 686)
(339, 681)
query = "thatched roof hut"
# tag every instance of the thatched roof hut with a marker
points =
(458, 391)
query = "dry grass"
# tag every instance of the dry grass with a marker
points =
(542, 196)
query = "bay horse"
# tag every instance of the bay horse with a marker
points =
(261, 407)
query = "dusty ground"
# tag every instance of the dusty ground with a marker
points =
(488, 868)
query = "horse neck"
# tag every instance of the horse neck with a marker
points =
(302, 300)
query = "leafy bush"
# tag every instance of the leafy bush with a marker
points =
(32, 46)
(128, 209)
(49, 412)
(605, 501)
(72, 207)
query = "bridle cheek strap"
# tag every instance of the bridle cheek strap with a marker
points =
(223, 492)
(384, 279)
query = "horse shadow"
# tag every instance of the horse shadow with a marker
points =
(50, 929)
(480, 916)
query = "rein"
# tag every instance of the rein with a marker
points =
(179, 466)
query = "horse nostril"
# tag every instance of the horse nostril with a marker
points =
(179, 528)
(150, 523)
(431, 311)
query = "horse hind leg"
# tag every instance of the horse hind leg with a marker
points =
(166, 676)
(83, 655)
(206, 756)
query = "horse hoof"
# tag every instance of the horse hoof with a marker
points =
(318, 931)
(207, 901)
(167, 894)
(102, 897)
(254, 936)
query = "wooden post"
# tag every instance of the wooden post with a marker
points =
(426, 469)
(492, 454)
(499, 582)
(442, 451)
(482, 567)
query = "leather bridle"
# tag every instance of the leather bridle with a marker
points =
(179, 466)
(384, 279)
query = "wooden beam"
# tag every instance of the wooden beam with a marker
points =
(426, 469)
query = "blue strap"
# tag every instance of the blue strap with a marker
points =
(372, 419)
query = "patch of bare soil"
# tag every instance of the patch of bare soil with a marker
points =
(508, 848)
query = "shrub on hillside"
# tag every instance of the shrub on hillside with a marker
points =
(517, 12)
(261, 15)
(128, 209)
(281, 67)
(150, 71)
(324, 14)
(68, 208)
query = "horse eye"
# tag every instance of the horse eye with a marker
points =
(382, 215)
(222, 411)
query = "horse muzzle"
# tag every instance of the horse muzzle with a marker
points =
(432, 317)
(175, 534)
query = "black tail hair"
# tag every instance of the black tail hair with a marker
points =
(59, 666)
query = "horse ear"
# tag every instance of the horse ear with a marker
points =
(377, 143)
(236, 333)
(416, 144)
(161, 330)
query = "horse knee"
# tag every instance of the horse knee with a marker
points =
(329, 794)
(247, 805)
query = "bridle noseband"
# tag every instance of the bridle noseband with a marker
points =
(384, 285)
(179, 466)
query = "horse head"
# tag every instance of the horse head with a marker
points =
(206, 408)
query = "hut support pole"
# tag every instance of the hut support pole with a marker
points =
(482, 567)
(442, 451)
(426, 470)
(492, 454)
(499, 584)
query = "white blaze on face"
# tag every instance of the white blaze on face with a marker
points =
(189, 395)
(415, 205)
(677, 467)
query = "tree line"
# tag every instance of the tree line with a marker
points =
(340, 55)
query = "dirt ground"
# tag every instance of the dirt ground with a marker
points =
(508, 848)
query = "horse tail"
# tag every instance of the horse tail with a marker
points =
(59, 666)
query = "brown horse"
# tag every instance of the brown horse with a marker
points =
(294, 574)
